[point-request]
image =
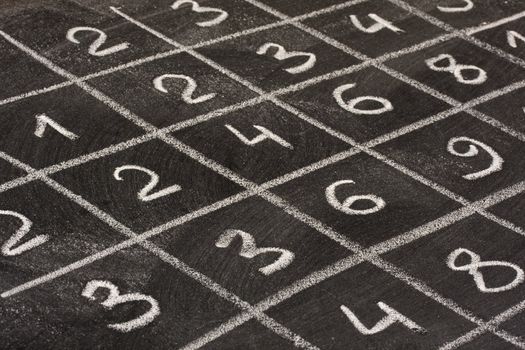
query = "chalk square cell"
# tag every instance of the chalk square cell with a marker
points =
(93, 125)
(9, 171)
(301, 7)
(289, 143)
(20, 73)
(205, 21)
(468, 13)
(250, 336)
(428, 151)
(45, 28)
(428, 258)
(406, 202)
(96, 182)
(404, 29)
(316, 312)
(134, 88)
(371, 104)
(509, 37)
(512, 210)
(446, 78)
(515, 324)
(72, 233)
(300, 56)
(508, 109)
(55, 315)
(271, 227)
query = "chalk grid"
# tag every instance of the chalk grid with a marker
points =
(371, 254)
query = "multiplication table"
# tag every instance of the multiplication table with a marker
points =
(262, 174)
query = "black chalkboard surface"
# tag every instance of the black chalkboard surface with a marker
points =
(262, 174)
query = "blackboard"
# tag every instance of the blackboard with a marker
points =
(262, 174)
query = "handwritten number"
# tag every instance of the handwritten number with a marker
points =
(187, 94)
(43, 120)
(8, 248)
(469, 5)
(392, 317)
(144, 194)
(264, 135)
(249, 250)
(222, 15)
(380, 24)
(346, 205)
(495, 165)
(282, 54)
(512, 36)
(457, 69)
(475, 264)
(351, 105)
(115, 298)
(95, 46)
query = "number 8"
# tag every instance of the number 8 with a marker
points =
(457, 69)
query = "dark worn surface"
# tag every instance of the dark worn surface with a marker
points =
(88, 216)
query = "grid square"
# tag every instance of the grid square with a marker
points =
(46, 26)
(213, 90)
(430, 152)
(187, 309)
(190, 27)
(292, 145)
(316, 312)
(96, 181)
(511, 209)
(460, 14)
(20, 73)
(407, 203)
(508, 109)
(257, 57)
(462, 81)
(427, 259)
(9, 171)
(93, 126)
(72, 233)
(253, 336)
(515, 325)
(509, 37)
(408, 104)
(404, 29)
(196, 244)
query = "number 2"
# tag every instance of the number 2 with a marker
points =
(7, 247)
(187, 94)
(144, 194)
(95, 46)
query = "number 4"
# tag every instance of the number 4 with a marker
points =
(392, 316)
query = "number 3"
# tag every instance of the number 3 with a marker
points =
(202, 9)
(115, 298)
(249, 250)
